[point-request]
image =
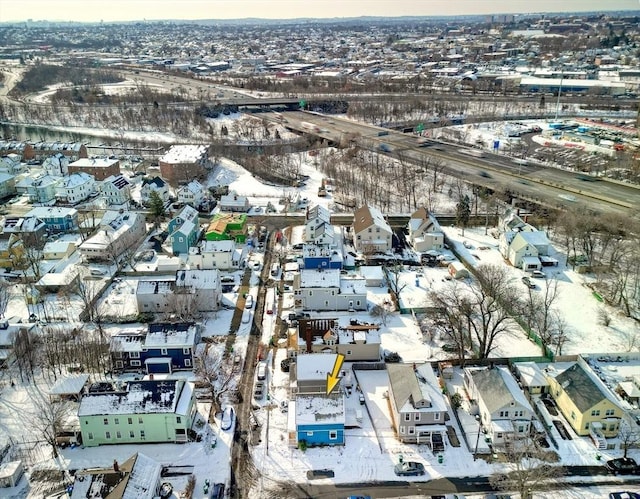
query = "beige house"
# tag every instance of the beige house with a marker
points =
(357, 341)
(425, 233)
(371, 232)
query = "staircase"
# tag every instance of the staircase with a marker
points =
(596, 435)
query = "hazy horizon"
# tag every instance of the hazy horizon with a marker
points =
(139, 10)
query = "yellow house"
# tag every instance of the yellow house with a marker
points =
(11, 252)
(587, 404)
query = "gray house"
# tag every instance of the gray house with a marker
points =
(505, 412)
(418, 407)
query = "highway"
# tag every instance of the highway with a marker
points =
(544, 185)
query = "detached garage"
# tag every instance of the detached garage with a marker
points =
(457, 270)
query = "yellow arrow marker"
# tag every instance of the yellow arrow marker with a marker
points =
(333, 378)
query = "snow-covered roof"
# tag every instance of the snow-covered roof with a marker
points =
(177, 335)
(184, 154)
(312, 278)
(69, 385)
(47, 213)
(140, 397)
(143, 479)
(320, 409)
(531, 374)
(314, 366)
(197, 279)
(409, 386)
(93, 163)
(218, 246)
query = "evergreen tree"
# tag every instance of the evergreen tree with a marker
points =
(463, 212)
(156, 206)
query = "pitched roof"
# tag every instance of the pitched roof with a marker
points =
(580, 387)
(366, 217)
(497, 388)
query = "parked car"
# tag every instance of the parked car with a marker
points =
(258, 390)
(527, 282)
(409, 468)
(217, 492)
(248, 301)
(538, 274)
(623, 466)
(227, 418)
(624, 495)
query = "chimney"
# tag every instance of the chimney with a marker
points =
(150, 376)
(116, 466)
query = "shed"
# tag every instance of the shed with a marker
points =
(457, 270)
(11, 473)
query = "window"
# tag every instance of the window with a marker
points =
(520, 429)
(333, 435)
(135, 363)
(612, 427)
(407, 417)
(586, 426)
(309, 434)
(595, 412)
(130, 420)
(436, 416)
(402, 430)
(416, 416)
(139, 420)
(499, 435)
(163, 351)
(119, 364)
(90, 435)
(186, 351)
(178, 420)
(573, 415)
(107, 435)
(610, 412)
(105, 420)
(412, 430)
(504, 414)
(132, 434)
(142, 434)
(349, 352)
(187, 362)
(118, 434)
(134, 355)
(116, 421)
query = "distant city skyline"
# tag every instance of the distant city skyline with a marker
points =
(139, 10)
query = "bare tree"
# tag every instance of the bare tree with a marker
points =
(25, 350)
(47, 417)
(530, 470)
(629, 437)
(452, 317)
(89, 293)
(212, 371)
(5, 296)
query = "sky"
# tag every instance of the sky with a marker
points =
(128, 10)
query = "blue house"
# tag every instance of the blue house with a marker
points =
(319, 418)
(56, 219)
(162, 349)
(184, 230)
(321, 257)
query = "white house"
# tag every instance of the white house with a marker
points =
(234, 203)
(192, 194)
(329, 290)
(75, 188)
(116, 189)
(56, 165)
(425, 233)
(505, 412)
(223, 255)
(117, 232)
(371, 232)
(155, 184)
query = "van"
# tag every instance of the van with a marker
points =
(248, 301)
(262, 371)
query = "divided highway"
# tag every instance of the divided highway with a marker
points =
(544, 185)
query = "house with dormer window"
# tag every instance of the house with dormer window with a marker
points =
(184, 230)
(371, 232)
(425, 233)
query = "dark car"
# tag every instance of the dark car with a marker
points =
(409, 468)
(623, 466)
(217, 492)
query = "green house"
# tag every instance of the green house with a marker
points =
(149, 411)
(226, 227)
